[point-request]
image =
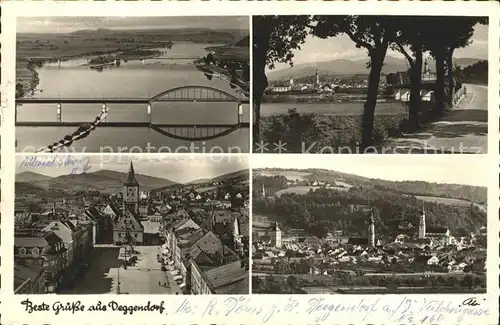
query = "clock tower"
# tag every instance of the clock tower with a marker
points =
(131, 192)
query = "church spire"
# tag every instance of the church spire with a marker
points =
(131, 181)
(131, 168)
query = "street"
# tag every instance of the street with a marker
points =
(104, 276)
(463, 130)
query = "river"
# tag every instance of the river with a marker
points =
(132, 79)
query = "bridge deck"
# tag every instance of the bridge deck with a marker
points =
(121, 100)
(129, 124)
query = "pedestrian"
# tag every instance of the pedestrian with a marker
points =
(165, 284)
(159, 283)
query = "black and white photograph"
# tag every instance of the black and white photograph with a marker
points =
(368, 227)
(132, 84)
(370, 84)
(114, 225)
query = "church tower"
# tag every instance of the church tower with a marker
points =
(316, 79)
(276, 235)
(131, 192)
(263, 191)
(421, 224)
(371, 230)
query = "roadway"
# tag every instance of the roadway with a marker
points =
(463, 130)
(105, 274)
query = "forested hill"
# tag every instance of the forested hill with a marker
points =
(457, 191)
(396, 207)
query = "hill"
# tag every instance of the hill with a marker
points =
(28, 177)
(475, 194)
(240, 174)
(351, 67)
(102, 180)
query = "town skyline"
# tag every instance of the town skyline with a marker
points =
(42, 25)
(179, 170)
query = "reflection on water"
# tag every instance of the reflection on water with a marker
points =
(132, 79)
(129, 140)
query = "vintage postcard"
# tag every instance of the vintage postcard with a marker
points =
(249, 163)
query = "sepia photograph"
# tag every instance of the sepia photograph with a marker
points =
(370, 84)
(132, 84)
(368, 227)
(114, 225)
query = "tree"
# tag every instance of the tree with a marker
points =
(375, 34)
(463, 31)
(274, 38)
(449, 34)
(19, 90)
(412, 32)
(292, 281)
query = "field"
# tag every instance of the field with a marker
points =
(290, 175)
(91, 43)
(302, 190)
(444, 200)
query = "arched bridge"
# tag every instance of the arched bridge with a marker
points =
(187, 94)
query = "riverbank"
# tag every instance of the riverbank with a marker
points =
(317, 133)
(28, 77)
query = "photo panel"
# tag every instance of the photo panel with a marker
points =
(131, 225)
(132, 84)
(370, 84)
(352, 226)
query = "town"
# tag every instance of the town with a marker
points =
(353, 88)
(335, 236)
(176, 239)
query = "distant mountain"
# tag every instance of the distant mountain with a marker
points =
(240, 174)
(28, 177)
(98, 31)
(352, 67)
(102, 180)
(244, 42)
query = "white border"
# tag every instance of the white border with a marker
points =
(255, 308)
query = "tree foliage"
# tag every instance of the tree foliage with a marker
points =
(375, 34)
(274, 39)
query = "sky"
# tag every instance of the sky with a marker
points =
(180, 169)
(429, 168)
(341, 47)
(71, 24)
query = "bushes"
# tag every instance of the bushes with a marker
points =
(326, 133)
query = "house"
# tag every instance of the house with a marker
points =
(29, 279)
(427, 96)
(128, 229)
(151, 233)
(47, 251)
(64, 231)
(231, 278)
